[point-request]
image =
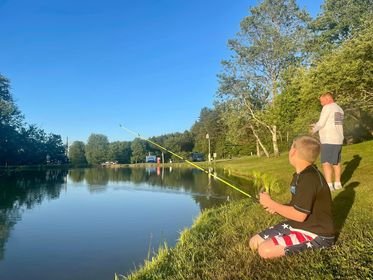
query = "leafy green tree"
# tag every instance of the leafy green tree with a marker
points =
(120, 152)
(238, 137)
(77, 153)
(339, 20)
(347, 73)
(55, 148)
(97, 148)
(138, 148)
(207, 124)
(271, 39)
(21, 143)
(10, 122)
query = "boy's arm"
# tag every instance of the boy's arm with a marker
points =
(288, 212)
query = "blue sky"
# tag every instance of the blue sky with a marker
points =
(82, 67)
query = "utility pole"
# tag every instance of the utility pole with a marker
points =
(208, 139)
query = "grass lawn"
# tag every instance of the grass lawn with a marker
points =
(216, 246)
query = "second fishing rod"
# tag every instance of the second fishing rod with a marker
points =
(189, 162)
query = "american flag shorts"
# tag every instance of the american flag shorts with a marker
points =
(295, 240)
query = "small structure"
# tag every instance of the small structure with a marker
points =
(150, 158)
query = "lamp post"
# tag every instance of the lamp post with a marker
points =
(208, 139)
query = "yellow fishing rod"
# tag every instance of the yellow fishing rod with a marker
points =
(187, 161)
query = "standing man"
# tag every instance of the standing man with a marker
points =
(330, 128)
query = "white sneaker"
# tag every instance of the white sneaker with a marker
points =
(337, 185)
(331, 186)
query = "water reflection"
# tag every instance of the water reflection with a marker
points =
(205, 189)
(23, 190)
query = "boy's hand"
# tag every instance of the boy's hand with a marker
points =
(266, 201)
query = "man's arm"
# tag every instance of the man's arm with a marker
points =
(288, 212)
(322, 121)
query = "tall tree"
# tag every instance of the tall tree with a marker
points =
(347, 73)
(138, 148)
(271, 39)
(338, 21)
(120, 152)
(10, 122)
(211, 124)
(97, 148)
(77, 153)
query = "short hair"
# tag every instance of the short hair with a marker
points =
(327, 94)
(308, 147)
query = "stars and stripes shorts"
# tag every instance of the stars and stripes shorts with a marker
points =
(295, 240)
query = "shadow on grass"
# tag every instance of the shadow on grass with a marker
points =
(342, 204)
(350, 168)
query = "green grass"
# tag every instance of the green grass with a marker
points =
(216, 246)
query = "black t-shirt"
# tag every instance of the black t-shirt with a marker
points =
(311, 195)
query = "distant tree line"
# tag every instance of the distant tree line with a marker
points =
(99, 150)
(22, 143)
(281, 61)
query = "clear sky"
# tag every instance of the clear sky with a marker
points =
(82, 67)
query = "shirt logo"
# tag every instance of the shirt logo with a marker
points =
(338, 118)
(292, 189)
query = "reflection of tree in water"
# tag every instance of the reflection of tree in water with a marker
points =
(76, 175)
(96, 178)
(205, 190)
(22, 190)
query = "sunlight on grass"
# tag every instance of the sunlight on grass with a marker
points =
(216, 246)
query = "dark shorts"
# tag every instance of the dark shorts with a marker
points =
(331, 153)
(295, 240)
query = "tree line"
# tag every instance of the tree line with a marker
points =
(99, 150)
(281, 61)
(22, 143)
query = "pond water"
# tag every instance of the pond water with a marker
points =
(92, 223)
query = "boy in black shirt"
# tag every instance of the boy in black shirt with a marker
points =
(309, 214)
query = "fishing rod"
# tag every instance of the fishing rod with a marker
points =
(187, 161)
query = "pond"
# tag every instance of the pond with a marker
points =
(91, 223)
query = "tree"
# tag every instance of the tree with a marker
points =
(138, 148)
(21, 143)
(9, 113)
(271, 39)
(97, 148)
(339, 20)
(55, 148)
(239, 137)
(210, 123)
(77, 153)
(10, 123)
(347, 73)
(120, 152)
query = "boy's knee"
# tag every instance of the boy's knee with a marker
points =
(268, 250)
(255, 241)
(264, 251)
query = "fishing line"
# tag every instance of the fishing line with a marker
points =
(187, 161)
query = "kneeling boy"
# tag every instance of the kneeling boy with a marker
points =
(309, 213)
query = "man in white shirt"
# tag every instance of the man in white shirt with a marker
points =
(330, 128)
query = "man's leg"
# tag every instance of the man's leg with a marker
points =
(328, 173)
(268, 250)
(337, 176)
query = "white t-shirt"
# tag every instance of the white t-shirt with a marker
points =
(330, 125)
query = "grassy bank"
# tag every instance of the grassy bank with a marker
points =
(216, 247)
